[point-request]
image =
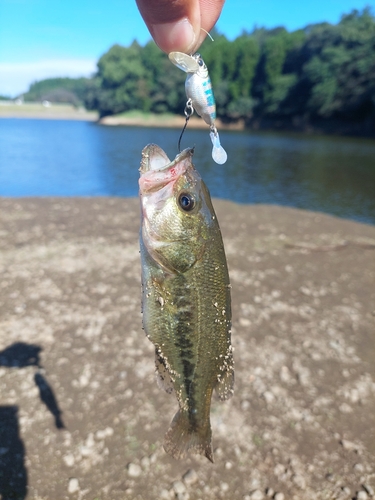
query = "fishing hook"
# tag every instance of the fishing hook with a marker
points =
(188, 111)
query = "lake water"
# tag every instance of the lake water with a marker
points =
(73, 158)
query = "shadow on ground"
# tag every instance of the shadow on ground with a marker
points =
(13, 473)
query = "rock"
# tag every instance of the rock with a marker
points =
(190, 477)
(100, 435)
(145, 462)
(358, 467)
(73, 485)
(224, 487)
(269, 396)
(345, 408)
(369, 490)
(165, 495)
(69, 460)
(256, 495)
(299, 481)
(279, 496)
(348, 445)
(362, 495)
(134, 470)
(245, 405)
(85, 451)
(179, 487)
(279, 470)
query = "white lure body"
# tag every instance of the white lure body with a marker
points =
(199, 92)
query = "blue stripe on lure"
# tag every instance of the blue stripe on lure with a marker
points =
(199, 92)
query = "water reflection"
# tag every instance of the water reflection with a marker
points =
(65, 158)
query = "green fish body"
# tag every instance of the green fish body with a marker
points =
(185, 295)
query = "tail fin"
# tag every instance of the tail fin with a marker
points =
(181, 438)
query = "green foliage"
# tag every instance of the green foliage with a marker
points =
(341, 67)
(66, 90)
(322, 71)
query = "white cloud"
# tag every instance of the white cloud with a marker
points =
(15, 78)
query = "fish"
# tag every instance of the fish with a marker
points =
(200, 96)
(186, 300)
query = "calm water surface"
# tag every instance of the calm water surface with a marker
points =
(72, 158)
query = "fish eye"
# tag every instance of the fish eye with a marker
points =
(200, 62)
(186, 202)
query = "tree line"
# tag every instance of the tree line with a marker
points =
(321, 72)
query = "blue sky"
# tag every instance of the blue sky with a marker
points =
(45, 38)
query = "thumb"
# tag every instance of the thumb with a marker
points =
(175, 25)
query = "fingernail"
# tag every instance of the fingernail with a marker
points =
(177, 36)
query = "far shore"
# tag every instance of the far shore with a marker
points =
(141, 119)
(132, 118)
(53, 112)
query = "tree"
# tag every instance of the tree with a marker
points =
(341, 70)
(64, 90)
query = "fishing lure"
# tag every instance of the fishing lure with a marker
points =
(200, 96)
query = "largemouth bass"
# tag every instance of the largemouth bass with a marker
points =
(185, 295)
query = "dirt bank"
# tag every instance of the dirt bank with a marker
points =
(167, 121)
(81, 416)
(53, 112)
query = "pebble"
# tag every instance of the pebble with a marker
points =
(108, 431)
(256, 495)
(369, 489)
(347, 445)
(345, 408)
(270, 492)
(269, 396)
(299, 481)
(245, 405)
(69, 460)
(279, 469)
(85, 451)
(190, 477)
(179, 487)
(279, 496)
(73, 485)
(145, 462)
(224, 487)
(358, 467)
(362, 495)
(165, 495)
(134, 470)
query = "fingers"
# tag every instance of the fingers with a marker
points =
(176, 25)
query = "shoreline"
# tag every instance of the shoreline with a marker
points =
(139, 119)
(60, 112)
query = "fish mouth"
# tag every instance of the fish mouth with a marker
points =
(154, 159)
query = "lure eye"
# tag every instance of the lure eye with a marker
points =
(186, 202)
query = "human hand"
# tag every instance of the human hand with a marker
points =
(175, 25)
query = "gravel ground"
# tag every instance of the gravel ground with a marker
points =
(81, 416)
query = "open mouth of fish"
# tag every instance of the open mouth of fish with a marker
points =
(158, 170)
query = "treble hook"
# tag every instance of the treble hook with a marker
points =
(188, 111)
